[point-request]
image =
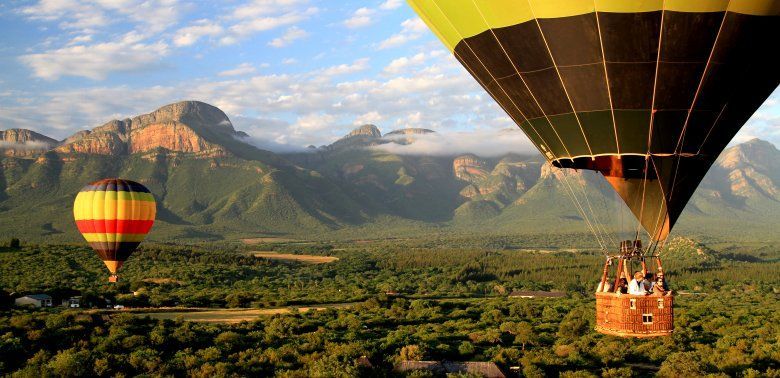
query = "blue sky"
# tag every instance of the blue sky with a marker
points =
(288, 72)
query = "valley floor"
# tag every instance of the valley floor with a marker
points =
(216, 309)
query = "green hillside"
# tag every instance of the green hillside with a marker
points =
(211, 184)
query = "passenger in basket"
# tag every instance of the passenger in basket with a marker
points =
(622, 287)
(636, 286)
(660, 287)
(648, 282)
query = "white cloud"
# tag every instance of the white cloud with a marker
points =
(372, 117)
(241, 69)
(343, 69)
(485, 143)
(288, 37)
(361, 18)
(314, 107)
(266, 15)
(391, 4)
(401, 64)
(79, 40)
(261, 8)
(96, 61)
(87, 15)
(411, 29)
(202, 28)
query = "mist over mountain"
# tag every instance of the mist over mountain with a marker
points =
(21, 142)
(212, 182)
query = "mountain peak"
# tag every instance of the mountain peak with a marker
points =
(758, 143)
(23, 142)
(755, 152)
(188, 112)
(185, 126)
(366, 130)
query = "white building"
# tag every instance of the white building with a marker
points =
(37, 300)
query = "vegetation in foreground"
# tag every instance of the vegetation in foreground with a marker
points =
(453, 306)
(725, 333)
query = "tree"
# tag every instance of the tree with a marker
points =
(683, 364)
(574, 325)
(523, 332)
(466, 348)
(412, 353)
(70, 363)
(624, 372)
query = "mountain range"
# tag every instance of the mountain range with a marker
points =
(212, 183)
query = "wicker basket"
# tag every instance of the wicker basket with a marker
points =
(634, 315)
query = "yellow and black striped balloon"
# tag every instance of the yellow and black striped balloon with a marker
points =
(114, 216)
(648, 92)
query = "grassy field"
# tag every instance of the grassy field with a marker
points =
(251, 241)
(309, 259)
(229, 315)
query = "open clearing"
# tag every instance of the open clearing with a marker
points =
(161, 281)
(268, 240)
(309, 259)
(231, 315)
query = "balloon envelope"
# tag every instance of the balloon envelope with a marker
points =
(647, 92)
(114, 216)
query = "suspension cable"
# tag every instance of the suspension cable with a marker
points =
(579, 207)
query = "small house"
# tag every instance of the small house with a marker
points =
(36, 300)
(72, 302)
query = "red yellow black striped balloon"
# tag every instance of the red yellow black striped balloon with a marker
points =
(114, 216)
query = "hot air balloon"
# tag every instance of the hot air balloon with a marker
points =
(114, 216)
(645, 92)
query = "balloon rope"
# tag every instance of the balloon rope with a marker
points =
(580, 208)
(595, 229)
(557, 71)
(493, 78)
(660, 217)
(606, 79)
(680, 140)
(506, 94)
(517, 70)
(711, 128)
(599, 225)
(652, 119)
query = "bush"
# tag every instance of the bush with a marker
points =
(14, 243)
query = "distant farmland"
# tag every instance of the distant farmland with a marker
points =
(269, 239)
(309, 259)
(231, 316)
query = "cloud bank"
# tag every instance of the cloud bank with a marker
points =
(484, 143)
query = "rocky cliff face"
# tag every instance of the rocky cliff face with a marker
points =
(470, 168)
(365, 130)
(187, 127)
(363, 136)
(750, 170)
(22, 142)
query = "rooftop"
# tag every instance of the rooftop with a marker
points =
(39, 297)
